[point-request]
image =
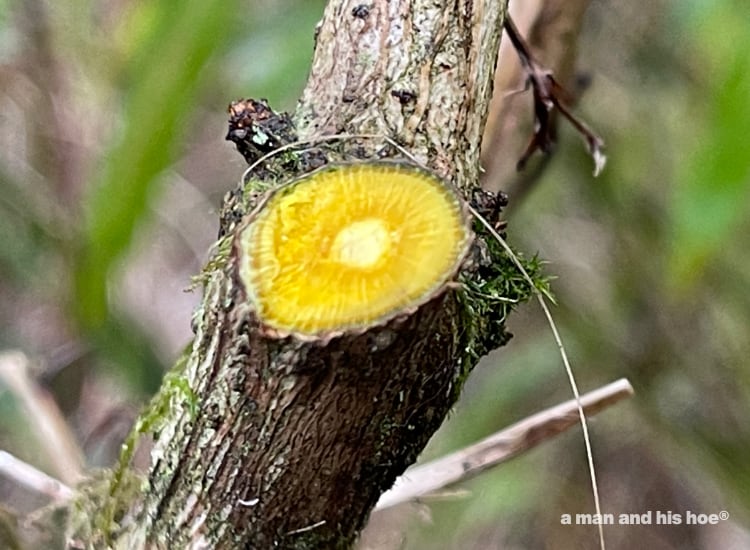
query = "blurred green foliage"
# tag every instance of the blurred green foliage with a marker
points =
(711, 187)
(171, 57)
(169, 65)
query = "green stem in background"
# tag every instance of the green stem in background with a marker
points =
(167, 73)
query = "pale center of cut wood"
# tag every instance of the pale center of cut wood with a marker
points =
(362, 243)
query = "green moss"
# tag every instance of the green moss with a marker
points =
(94, 515)
(251, 188)
(222, 250)
(123, 481)
(174, 388)
(490, 292)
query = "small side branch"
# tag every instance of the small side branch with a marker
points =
(501, 446)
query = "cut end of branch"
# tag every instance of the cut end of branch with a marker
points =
(351, 246)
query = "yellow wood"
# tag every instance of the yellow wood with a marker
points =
(351, 245)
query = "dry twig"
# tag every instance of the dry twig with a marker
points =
(551, 29)
(26, 475)
(549, 95)
(43, 416)
(499, 447)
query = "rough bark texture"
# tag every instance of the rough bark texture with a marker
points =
(418, 71)
(263, 442)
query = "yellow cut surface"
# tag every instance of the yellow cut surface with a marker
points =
(350, 246)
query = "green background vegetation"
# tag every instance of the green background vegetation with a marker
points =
(113, 165)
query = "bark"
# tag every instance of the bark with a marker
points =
(268, 442)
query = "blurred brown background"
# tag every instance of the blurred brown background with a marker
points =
(112, 169)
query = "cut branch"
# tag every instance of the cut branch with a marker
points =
(318, 372)
(293, 412)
